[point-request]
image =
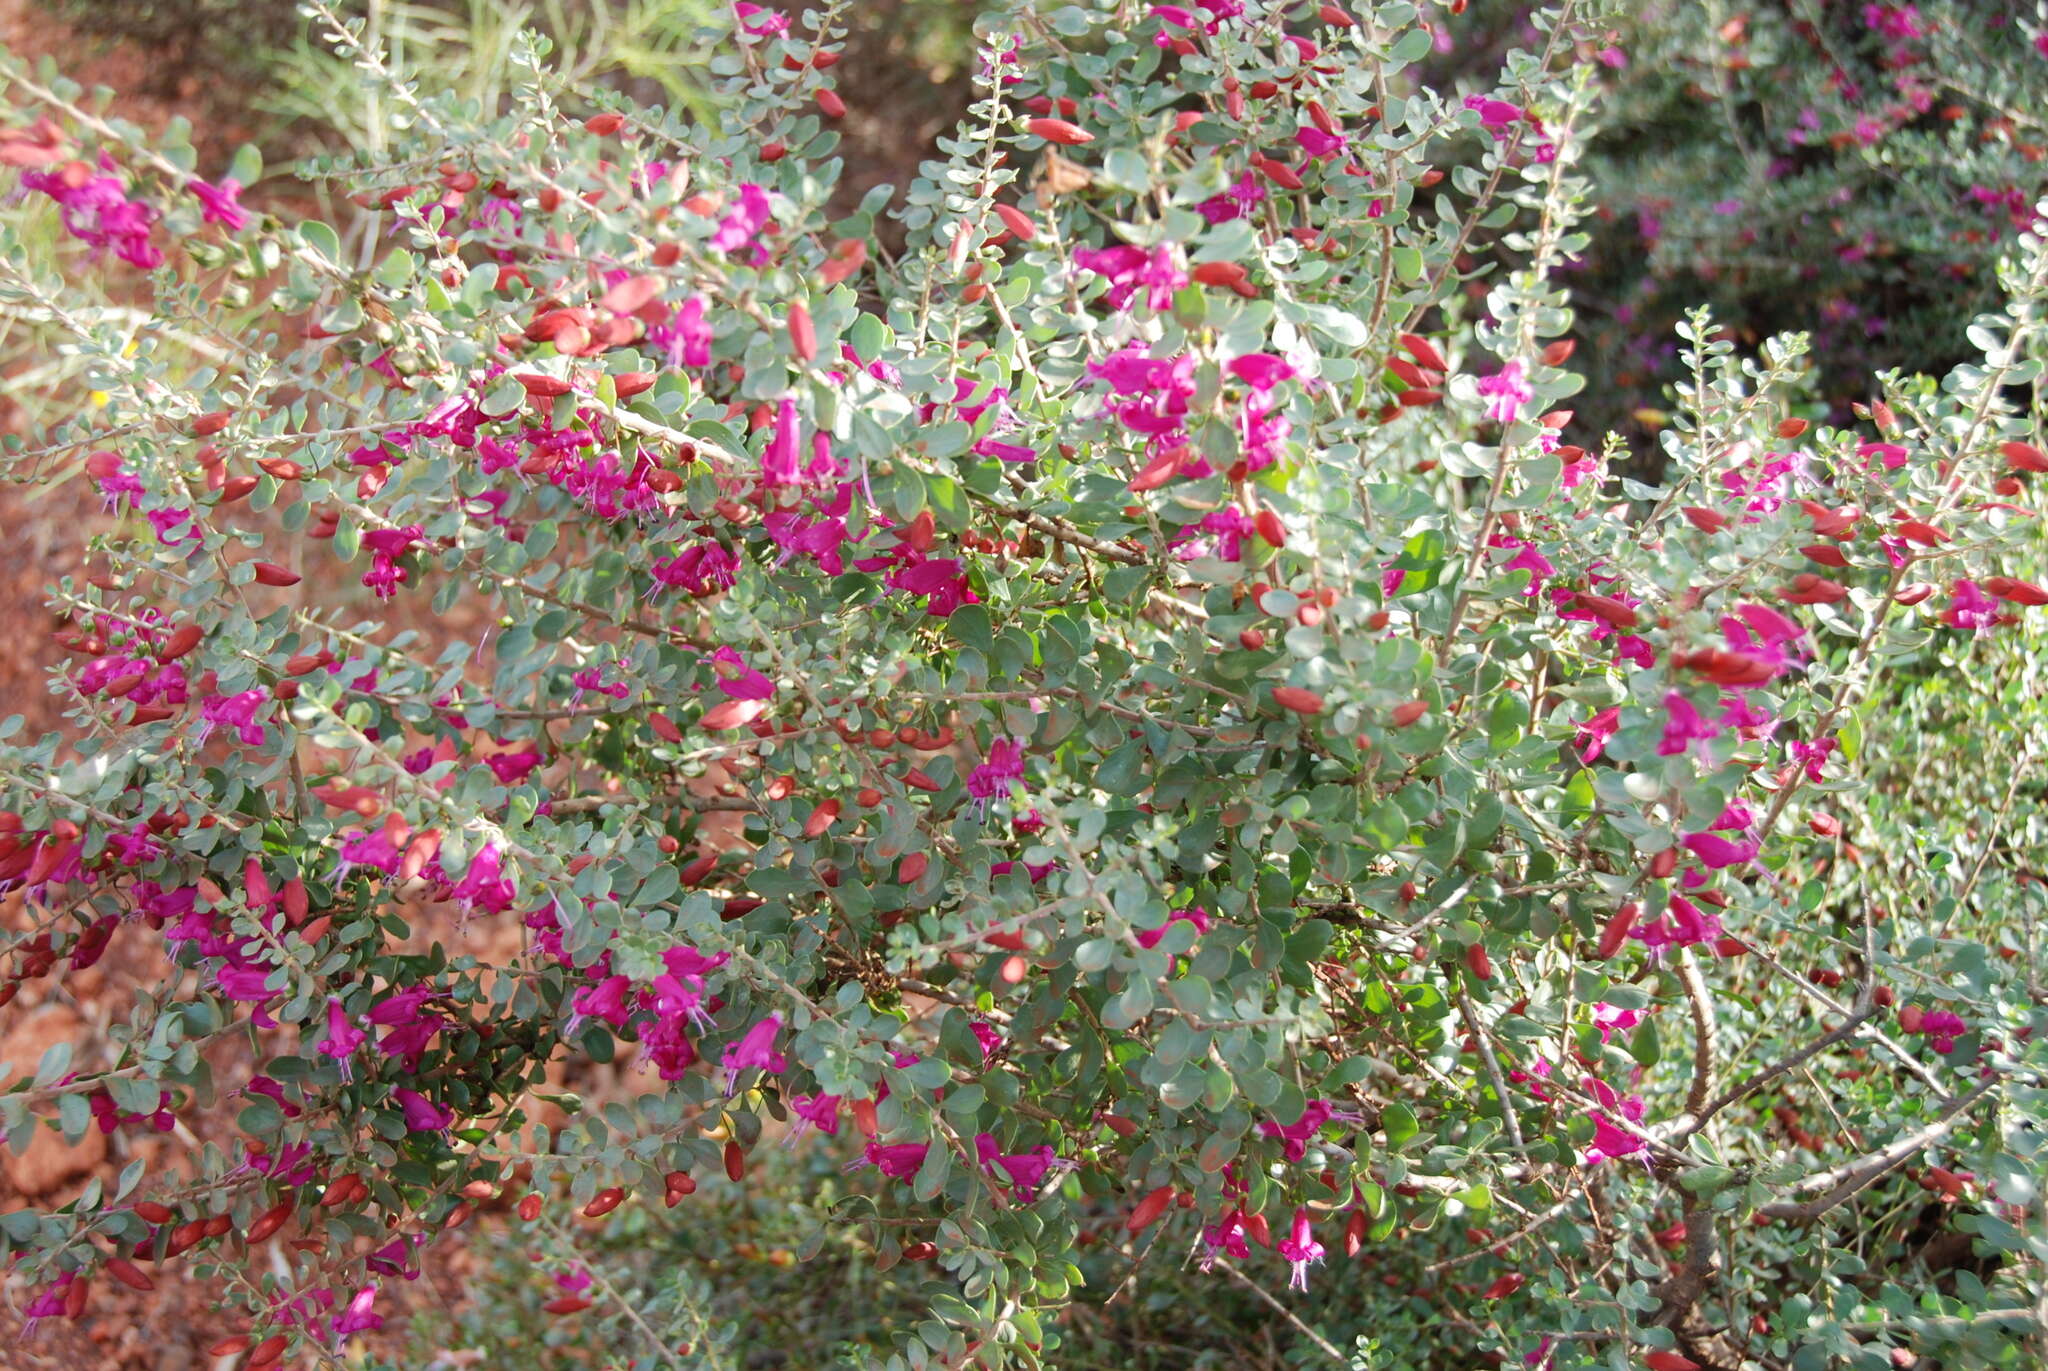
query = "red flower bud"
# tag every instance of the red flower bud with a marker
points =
(2020, 456)
(803, 336)
(129, 1274)
(1299, 700)
(1059, 131)
(1017, 222)
(181, 641)
(1149, 1209)
(1614, 933)
(1279, 173)
(2018, 592)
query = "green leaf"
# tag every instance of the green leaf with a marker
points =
(1122, 772)
(1411, 48)
(1398, 1121)
(321, 239)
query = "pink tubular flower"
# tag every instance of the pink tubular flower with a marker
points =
(1243, 196)
(759, 20)
(1224, 1239)
(1295, 1137)
(1683, 924)
(741, 227)
(343, 1037)
(781, 464)
(1506, 391)
(1716, 852)
(819, 1111)
(1193, 914)
(1593, 734)
(1494, 114)
(1301, 1250)
(1002, 768)
(220, 204)
(1320, 145)
(1026, 1170)
(755, 1049)
(1969, 607)
(1610, 1140)
(898, 1161)
(684, 337)
(359, 1316)
(1260, 370)
(237, 712)
(97, 211)
(1683, 726)
(422, 1115)
(737, 679)
(1130, 269)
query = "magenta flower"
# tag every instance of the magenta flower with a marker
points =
(221, 204)
(1301, 1250)
(1193, 914)
(343, 1037)
(1244, 196)
(1025, 1170)
(701, 569)
(96, 210)
(1593, 734)
(1318, 144)
(358, 1316)
(737, 679)
(234, 711)
(898, 1161)
(1611, 1019)
(1609, 1140)
(606, 1000)
(1131, 269)
(1683, 726)
(998, 771)
(1969, 607)
(422, 1115)
(780, 464)
(739, 228)
(1295, 1137)
(1716, 852)
(1005, 452)
(1224, 1239)
(759, 20)
(1506, 391)
(820, 1111)
(684, 337)
(484, 887)
(1683, 924)
(513, 767)
(1494, 114)
(1260, 370)
(755, 1049)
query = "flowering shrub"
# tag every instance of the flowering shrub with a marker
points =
(1853, 169)
(1135, 733)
